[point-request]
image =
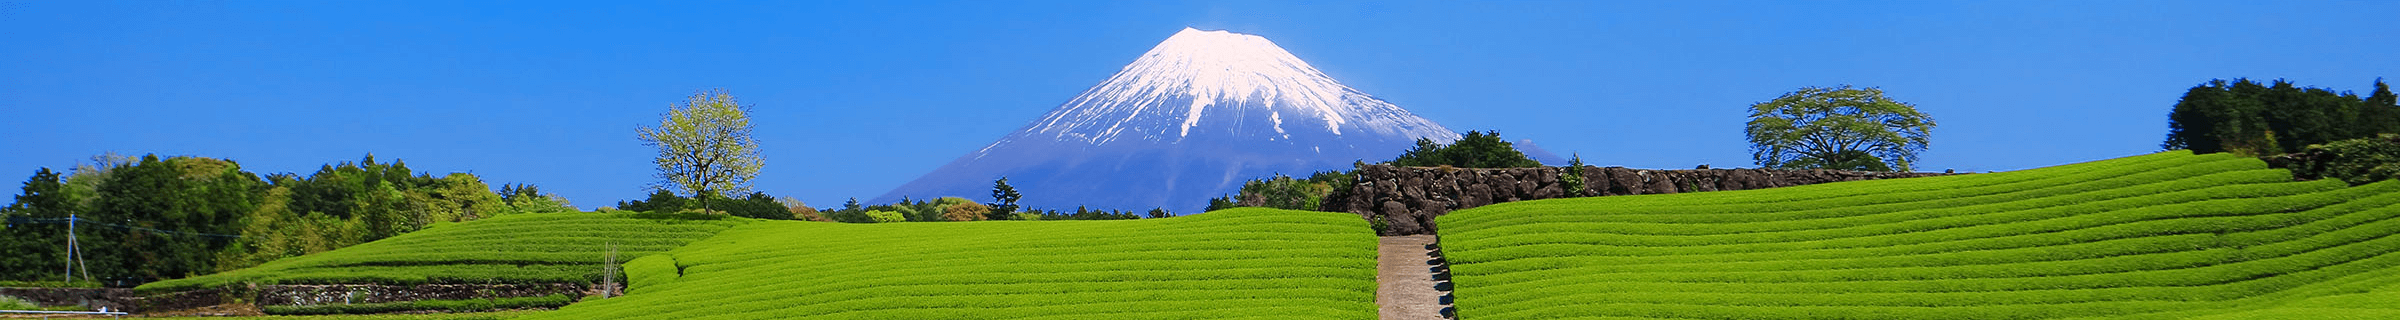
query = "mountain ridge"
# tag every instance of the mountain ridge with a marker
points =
(1188, 120)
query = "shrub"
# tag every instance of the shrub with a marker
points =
(2357, 161)
(965, 211)
(15, 303)
(1285, 192)
(1473, 150)
(881, 216)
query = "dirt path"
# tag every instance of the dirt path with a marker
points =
(1405, 278)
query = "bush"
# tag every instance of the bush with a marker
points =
(1474, 150)
(881, 216)
(15, 303)
(1285, 192)
(2357, 161)
(965, 211)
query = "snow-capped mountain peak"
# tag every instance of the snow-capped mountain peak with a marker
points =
(1168, 91)
(1189, 120)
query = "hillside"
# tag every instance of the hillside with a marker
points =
(1239, 263)
(2168, 235)
(522, 248)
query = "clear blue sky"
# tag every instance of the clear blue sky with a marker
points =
(854, 98)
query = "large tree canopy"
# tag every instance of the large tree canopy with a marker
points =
(1842, 128)
(704, 147)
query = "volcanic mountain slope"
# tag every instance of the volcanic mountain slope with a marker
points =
(1191, 119)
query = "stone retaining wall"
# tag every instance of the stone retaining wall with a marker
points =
(289, 295)
(309, 295)
(1408, 198)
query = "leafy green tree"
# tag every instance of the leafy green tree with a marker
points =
(1004, 200)
(457, 197)
(1841, 127)
(1473, 150)
(172, 209)
(705, 147)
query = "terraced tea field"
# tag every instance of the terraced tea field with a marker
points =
(1230, 264)
(2161, 236)
(523, 248)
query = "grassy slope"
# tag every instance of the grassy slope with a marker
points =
(1237, 263)
(2167, 235)
(524, 248)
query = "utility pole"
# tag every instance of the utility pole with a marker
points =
(70, 266)
(74, 255)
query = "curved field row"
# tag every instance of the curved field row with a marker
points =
(1236, 263)
(2168, 235)
(523, 248)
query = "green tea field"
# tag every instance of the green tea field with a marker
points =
(2162, 236)
(1230, 264)
(524, 248)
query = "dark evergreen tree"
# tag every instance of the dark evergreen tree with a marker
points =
(659, 201)
(2247, 117)
(757, 205)
(1004, 200)
(1220, 203)
(35, 250)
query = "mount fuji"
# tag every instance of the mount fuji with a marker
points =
(1191, 119)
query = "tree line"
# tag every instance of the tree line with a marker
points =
(2247, 117)
(149, 218)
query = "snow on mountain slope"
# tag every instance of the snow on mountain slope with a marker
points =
(1189, 120)
(1168, 88)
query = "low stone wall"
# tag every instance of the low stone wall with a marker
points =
(1408, 198)
(288, 295)
(309, 295)
(95, 298)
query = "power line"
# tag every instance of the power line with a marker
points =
(82, 221)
